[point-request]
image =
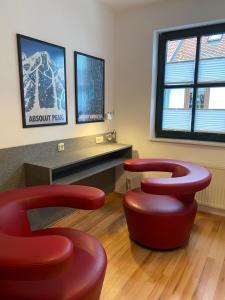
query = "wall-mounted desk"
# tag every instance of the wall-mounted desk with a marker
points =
(74, 166)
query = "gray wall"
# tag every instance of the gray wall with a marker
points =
(12, 173)
(12, 159)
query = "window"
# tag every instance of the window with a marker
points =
(191, 84)
(215, 37)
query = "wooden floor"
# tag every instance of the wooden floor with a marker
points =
(136, 273)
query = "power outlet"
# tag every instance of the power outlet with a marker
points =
(99, 139)
(128, 184)
(61, 147)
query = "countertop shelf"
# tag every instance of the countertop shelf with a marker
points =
(68, 168)
(82, 174)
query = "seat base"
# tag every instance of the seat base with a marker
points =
(81, 281)
(158, 221)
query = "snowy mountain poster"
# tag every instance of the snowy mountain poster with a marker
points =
(89, 81)
(42, 82)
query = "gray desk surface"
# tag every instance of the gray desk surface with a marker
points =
(68, 158)
(90, 171)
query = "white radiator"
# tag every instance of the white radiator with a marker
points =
(214, 195)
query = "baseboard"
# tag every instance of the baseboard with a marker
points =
(211, 210)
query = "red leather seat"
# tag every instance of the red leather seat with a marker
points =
(53, 263)
(160, 215)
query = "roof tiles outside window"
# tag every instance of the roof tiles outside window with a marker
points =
(184, 50)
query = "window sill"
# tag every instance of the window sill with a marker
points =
(187, 142)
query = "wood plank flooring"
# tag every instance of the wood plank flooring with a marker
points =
(135, 273)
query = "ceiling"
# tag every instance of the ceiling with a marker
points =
(119, 5)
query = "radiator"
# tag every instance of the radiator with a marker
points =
(214, 195)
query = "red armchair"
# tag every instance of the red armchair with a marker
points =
(160, 215)
(53, 263)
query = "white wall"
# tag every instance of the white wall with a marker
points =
(133, 74)
(81, 25)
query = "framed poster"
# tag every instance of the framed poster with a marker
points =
(90, 88)
(42, 68)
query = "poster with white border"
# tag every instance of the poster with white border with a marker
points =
(42, 69)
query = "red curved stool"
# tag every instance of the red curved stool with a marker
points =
(53, 263)
(160, 215)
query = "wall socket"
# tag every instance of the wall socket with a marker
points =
(61, 147)
(128, 184)
(99, 139)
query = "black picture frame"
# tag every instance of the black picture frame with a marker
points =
(93, 110)
(42, 72)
